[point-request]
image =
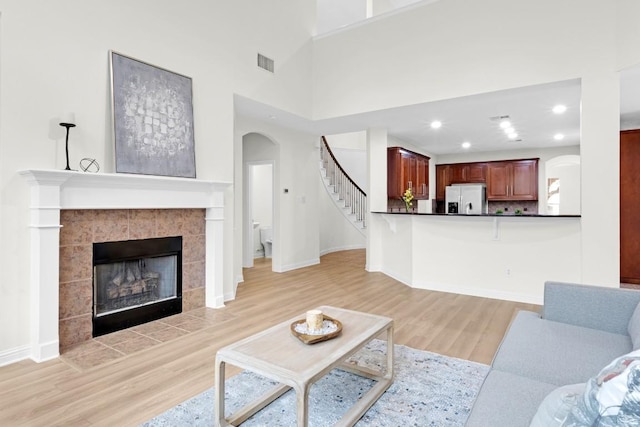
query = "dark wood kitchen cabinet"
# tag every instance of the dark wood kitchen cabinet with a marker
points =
(406, 169)
(512, 180)
(459, 173)
(456, 174)
(475, 173)
(506, 180)
(421, 189)
(442, 180)
(467, 173)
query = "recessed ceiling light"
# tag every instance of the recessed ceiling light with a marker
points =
(505, 124)
(436, 124)
(558, 137)
(559, 109)
(512, 135)
(466, 144)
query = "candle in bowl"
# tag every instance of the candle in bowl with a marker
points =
(314, 320)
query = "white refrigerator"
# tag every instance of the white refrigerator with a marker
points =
(466, 199)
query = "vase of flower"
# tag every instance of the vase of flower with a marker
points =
(407, 197)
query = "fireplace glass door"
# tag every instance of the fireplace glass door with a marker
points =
(128, 284)
(135, 281)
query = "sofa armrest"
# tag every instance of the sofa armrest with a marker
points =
(595, 307)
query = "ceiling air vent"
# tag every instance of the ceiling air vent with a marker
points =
(265, 63)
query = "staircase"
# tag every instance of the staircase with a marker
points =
(345, 193)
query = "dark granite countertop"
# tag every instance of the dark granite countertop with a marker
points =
(482, 215)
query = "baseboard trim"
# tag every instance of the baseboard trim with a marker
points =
(342, 248)
(215, 302)
(14, 355)
(45, 351)
(289, 267)
(399, 277)
(483, 293)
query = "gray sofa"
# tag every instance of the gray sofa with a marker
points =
(580, 331)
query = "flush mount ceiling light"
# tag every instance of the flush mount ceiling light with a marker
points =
(505, 124)
(466, 145)
(512, 135)
(558, 137)
(436, 124)
(559, 109)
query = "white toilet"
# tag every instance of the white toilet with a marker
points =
(266, 238)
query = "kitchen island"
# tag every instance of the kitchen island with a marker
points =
(495, 256)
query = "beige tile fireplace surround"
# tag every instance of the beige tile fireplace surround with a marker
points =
(81, 228)
(71, 210)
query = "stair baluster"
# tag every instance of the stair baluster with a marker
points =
(347, 191)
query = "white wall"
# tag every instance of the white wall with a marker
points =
(354, 163)
(257, 149)
(567, 170)
(262, 194)
(379, 7)
(334, 14)
(350, 150)
(628, 36)
(419, 55)
(336, 232)
(295, 221)
(349, 140)
(53, 59)
(505, 258)
(456, 48)
(260, 155)
(262, 199)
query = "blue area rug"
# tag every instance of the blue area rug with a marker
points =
(429, 390)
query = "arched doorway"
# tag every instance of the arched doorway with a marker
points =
(259, 154)
(562, 184)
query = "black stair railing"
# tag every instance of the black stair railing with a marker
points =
(354, 198)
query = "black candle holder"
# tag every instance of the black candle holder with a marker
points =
(66, 144)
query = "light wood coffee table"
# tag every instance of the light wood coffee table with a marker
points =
(276, 354)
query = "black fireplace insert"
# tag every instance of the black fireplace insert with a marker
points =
(135, 281)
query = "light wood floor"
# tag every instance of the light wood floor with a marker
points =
(135, 387)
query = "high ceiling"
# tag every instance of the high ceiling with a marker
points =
(476, 120)
(471, 118)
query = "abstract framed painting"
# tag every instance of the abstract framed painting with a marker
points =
(152, 110)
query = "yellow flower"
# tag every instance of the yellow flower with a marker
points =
(407, 198)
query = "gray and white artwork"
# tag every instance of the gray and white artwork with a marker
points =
(153, 119)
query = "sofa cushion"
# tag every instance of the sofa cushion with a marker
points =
(507, 399)
(556, 353)
(596, 307)
(611, 398)
(555, 408)
(634, 328)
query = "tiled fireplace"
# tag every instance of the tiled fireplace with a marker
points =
(69, 211)
(81, 229)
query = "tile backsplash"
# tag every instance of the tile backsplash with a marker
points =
(509, 207)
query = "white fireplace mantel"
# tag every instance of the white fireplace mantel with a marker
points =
(54, 190)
